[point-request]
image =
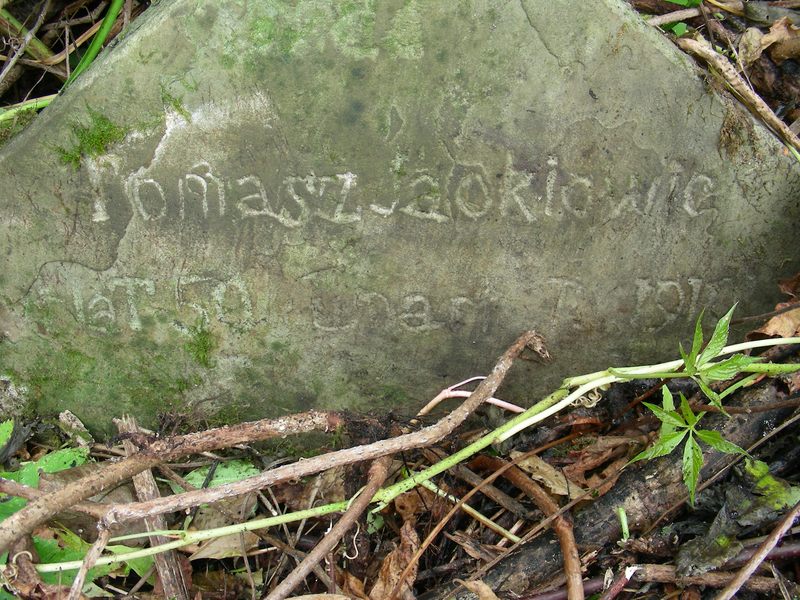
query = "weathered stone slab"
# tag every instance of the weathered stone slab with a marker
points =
(320, 203)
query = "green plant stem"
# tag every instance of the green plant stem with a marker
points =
(98, 40)
(386, 495)
(668, 367)
(193, 537)
(555, 402)
(35, 104)
(11, 27)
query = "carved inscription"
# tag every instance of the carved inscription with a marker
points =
(110, 303)
(467, 192)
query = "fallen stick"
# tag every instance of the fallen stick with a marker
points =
(107, 474)
(430, 435)
(172, 580)
(746, 572)
(702, 48)
(378, 472)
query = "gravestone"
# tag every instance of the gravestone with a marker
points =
(256, 207)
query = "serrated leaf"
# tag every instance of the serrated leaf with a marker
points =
(6, 429)
(728, 368)
(718, 339)
(671, 417)
(662, 447)
(686, 411)
(711, 394)
(692, 463)
(668, 405)
(719, 443)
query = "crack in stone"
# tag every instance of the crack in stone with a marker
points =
(539, 35)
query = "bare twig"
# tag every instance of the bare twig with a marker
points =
(376, 476)
(674, 17)
(12, 488)
(424, 437)
(169, 570)
(668, 574)
(561, 525)
(47, 505)
(88, 562)
(444, 520)
(772, 539)
(25, 41)
(619, 583)
(700, 47)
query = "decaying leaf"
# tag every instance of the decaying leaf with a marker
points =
(790, 286)
(785, 324)
(546, 474)
(413, 503)
(472, 547)
(751, 46)
(353, 587)
(395, 563)
(783, 40)
(227, 546)
(608, 454)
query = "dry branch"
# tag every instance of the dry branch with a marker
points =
(169, 570)
(424, 437)
(378, 472)
(110, 473)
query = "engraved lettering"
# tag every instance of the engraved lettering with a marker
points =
(147, 197)
(570, 193)
(226, 308)
(101, 312)
(129, 284)
(417, 314)
(698, 196)
(427, 202)
(472, 195)
(515, 184)
(324, 319)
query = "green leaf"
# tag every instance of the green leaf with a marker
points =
(140, 566)
(671, 417)
(697, 343)
(226, 472)
(28, 474)
(718, 339)
(669, 406)
(719, 443)
(728, 368)
(692, 463)
(712, 395)
(6, 429)
(662, 447)
(678, 29)
(687, 3)
(686, 411)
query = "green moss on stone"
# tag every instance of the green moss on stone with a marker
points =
(92, 140)
(202, 344)
(171, 101)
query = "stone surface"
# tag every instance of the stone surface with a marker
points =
(259, 207)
